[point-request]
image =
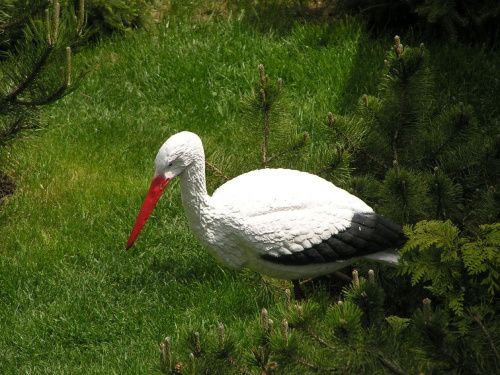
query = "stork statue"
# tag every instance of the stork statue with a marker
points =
(282, 223)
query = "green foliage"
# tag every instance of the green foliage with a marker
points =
(36, 70)
(443, 12)
(116, 16)
(264, 113)
(452, 16)
(268, 130)
(461, 269)
(423, 163)
(14, 16)
(369, 297)
(354, 336)
(482, 257)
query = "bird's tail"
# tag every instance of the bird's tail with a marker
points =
(390, 256)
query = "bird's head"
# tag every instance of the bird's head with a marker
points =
(177, 153)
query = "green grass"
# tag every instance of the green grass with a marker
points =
(72, 299)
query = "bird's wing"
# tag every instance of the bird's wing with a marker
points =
(363, 234)
(293, 217)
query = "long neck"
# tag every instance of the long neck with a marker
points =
(204, 216)
(194, 193)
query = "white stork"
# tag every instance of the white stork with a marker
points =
(278, 222)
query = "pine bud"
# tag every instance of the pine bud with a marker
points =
(56, 9)
(68, 66)
(436, 174)
(287, 299)
(265, 320)
(396, 169)
(284, 330)
(365, 100)
(81, 15)
(270, 325)
(305, 137)
(263, 96)
(262, 357)
(427, 310)
(386, 63)
(371, 276)
(461, 105)
(167, 352)
(355, 278)
(398, 47)
(262, 75)
(280, 84)
(421, 49)
(191, 363)
(179, 368)
(48, 26)
(221, 336)
(340, 150)
(197, 342)
(331, 120)
(163, 363)
(300, 309)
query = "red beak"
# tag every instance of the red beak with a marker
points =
(155, 191)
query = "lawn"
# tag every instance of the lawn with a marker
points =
(72, 299)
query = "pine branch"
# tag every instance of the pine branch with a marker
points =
(35, 103)
(321, 341)
(23, 19)
(13, 129)
(389, 365)
(236, 366)
(313, 366)
(354, 145)
(295, 147)
(327, 168)
(81, 17)
(386, 362)
(265, 133)
(488, 337)
(462, 122)
(372, 112)
(217, 171)
(11, 97)
(399, 51)
(399, 123)
(265, 126)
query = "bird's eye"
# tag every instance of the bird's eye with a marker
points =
(170, 164)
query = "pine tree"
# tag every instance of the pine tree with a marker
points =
(351, 336)
(272, 142)
(36, 69)
(413, 162)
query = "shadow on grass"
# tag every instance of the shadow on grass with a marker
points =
(7, 186)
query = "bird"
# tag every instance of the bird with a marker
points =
(281, 223)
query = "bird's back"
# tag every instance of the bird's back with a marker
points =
(267, 191)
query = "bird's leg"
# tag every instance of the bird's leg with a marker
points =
(297, 291)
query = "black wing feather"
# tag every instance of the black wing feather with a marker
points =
(369, 233)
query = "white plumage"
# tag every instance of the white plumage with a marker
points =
(281, 223)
